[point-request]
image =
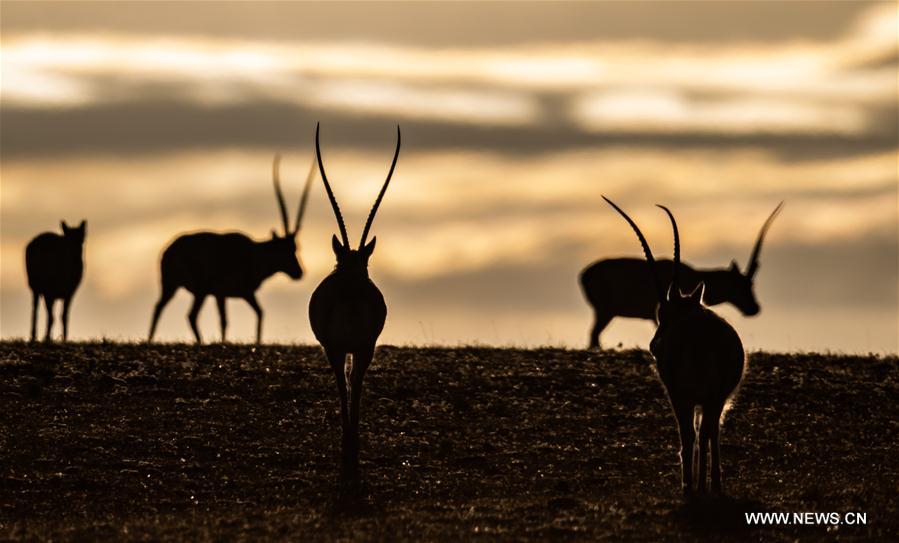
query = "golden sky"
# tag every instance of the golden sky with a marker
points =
(151, 119)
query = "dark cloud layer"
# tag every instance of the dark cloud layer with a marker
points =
(444, 24)
(160, 125)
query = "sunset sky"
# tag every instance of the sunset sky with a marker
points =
(152, 119)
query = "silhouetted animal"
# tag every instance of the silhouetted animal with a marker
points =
(230, 265)
(55, 265)
(699, 358)
(619, 287)
(347, 313)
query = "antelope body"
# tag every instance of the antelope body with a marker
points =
(347, 313)
(54, 265)
(700, 360)
(229, 265)
(620, 287)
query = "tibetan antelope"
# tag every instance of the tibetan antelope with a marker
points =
(618, 287)
(230, 265)
(347, 313)
(55, 265)
(699, 359)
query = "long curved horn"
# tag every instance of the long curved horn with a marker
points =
(646, 251)
(278, 194)
(321, 169)
(754, 259)
(374, 209)
(675, 274)
(305, 197)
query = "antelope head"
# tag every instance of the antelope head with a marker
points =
(283, 248)
(673, 303)
(677, 303)
(74, 234)
(739, 287)
(351, 261)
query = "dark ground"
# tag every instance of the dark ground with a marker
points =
(122, 441)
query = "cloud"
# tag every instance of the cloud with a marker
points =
(437, 25)
(157, 126)
(274, 69)
(659, 111)
(773, 87)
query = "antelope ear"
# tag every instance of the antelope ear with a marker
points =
(274, 234)
(336, 246)
(734, 267)
(696, 295)
(672, 292)
(65, 227)
(369, 247)
(83, 225)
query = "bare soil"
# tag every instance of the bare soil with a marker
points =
(106, 441)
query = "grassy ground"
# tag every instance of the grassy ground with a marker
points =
(122, 441)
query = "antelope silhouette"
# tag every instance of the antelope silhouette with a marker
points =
(619, 287)
(230, 265)
(54, 265)
(699, 359)
(347, 313)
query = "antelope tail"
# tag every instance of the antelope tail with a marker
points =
(348, 375)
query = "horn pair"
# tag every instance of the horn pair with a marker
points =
(276, 166)
(657, 282)
(374, 209)
(751, 269)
